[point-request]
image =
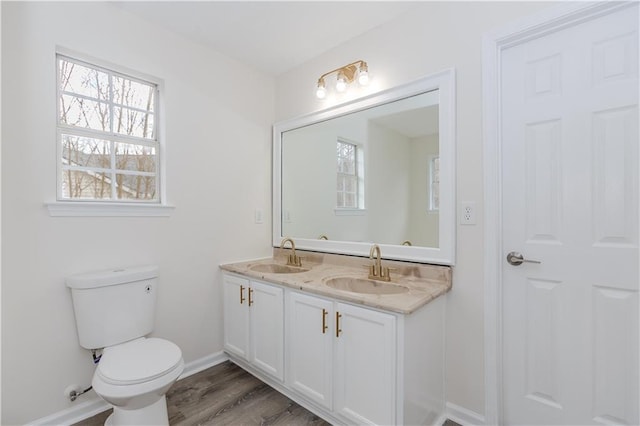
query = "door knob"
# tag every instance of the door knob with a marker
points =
(514, 258)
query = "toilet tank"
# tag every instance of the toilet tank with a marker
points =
(114, 306)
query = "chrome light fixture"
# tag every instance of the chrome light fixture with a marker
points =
(344, 76)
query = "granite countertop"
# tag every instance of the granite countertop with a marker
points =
(425, 282)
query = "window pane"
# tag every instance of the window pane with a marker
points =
(135, 187)
(85, 113)
(350, 185)
(89, 185)
(350, 200)
(133, 94)
(133, 157)
(82, 80)
(133, 123)
(341, 183)
(86, 152)
(340, 201)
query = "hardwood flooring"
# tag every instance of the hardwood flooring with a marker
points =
(225, 394)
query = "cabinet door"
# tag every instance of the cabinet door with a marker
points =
(267, 328)
(236, 315)
(365, 351)
(310, 347)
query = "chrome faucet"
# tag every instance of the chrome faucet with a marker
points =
(377, 271)
(293, 259)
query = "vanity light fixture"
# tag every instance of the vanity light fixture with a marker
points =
(344, 76)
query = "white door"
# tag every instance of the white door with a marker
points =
(310, 336)
(569, 132)
(266, 305)
(236, 315)
(365, 365)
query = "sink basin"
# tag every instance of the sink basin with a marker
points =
(364, 286)
(276, 268)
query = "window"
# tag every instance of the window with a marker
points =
(107, 135)
(349, 177)
(434, 183)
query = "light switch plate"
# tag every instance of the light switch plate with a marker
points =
(259, 216)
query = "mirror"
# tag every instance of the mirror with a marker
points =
(376, 170)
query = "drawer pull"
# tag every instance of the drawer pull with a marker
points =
(250, 299)
(324, 321)
(338, 329)
(241, 294)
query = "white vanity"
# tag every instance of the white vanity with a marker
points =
(350, 357)
(353, 350)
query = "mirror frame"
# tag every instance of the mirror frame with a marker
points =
(444, 81)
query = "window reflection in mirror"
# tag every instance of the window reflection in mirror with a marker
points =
(387, 155)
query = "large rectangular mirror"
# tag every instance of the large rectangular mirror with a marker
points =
(376, 170)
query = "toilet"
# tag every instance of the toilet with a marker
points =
(115, 311)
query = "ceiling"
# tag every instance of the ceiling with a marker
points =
(271, 36)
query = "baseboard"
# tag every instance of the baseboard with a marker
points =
(463, 416)
(90, 408)
(441, 420)
(203, 363)
(74, 414)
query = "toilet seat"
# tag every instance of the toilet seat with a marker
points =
(138, 361)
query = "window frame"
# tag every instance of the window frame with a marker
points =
(433, 207)
(359, 180)
(352, 176)
(113, 206)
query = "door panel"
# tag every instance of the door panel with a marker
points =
(569, 132)
(267, 329)
(365, 365)
(236, 316)
(310, 347)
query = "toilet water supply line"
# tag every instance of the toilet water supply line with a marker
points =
(74, 394)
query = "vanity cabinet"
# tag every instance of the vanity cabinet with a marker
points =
(254, 323)
(342, 357)
(348, 363)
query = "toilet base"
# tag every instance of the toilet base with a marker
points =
(154, 414)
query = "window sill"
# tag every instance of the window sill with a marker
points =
(350, 212)
(77, 208)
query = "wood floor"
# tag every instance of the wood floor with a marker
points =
(227, 395)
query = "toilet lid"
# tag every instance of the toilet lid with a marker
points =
(138, 361)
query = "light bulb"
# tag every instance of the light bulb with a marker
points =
(341, 83)
(321, 91)
(363, 74)
(363, 78)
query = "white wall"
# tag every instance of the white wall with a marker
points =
(218, 115)
(422, 221)
(431, 37)
(387, 193)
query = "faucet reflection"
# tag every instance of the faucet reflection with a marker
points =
(377, 271)
(293, 259)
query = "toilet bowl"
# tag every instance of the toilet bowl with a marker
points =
(135, 376)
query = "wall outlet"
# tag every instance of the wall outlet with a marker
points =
(468, 214)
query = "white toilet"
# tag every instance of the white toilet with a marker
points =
(115, 310)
